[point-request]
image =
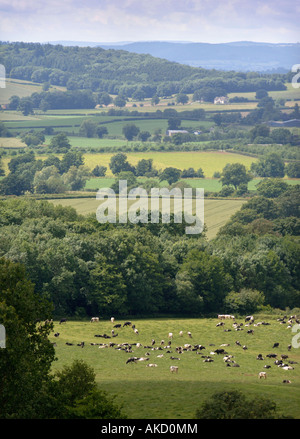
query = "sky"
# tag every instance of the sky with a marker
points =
(209, 21)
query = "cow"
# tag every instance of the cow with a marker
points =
(94, 319)
(132, 360)
(170, 336)
(63, 321)
(112, 319)
(249, 319)
(151, 365)
(174, 369)
(262, 375)
(225, 316)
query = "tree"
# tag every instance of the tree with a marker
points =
(182, 98)
(259, 130)
(77, 397)
(202, 282)
(174, 123)
(144, 136)
(281, 135)
(270, 166)
(119, 101)
(119, 163)
(124, 175)
(144, 166)
(101, 131)
(261, 93)
(17, 183)
(170, 174)
(76, 177)
(246, 301)
(71, 158)
(155, 100)
(130, 131)
(293, 170)
(26, 106)
(32, 139)
(60, 143)
(235, 174)
(2, 172)
(99, 171)
(88, 128)
(48, 181)
(14, 102)
(25, 363)
(104, 99)
(235, 405)
(271, 187)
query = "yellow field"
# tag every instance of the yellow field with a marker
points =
(210, 162)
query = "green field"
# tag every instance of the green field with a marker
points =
(290, 93)
(155, 392)
(21, 88)
(216, 212)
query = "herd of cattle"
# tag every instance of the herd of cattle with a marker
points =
(165, 347)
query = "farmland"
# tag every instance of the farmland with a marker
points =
(210, 162)
(216, 212)
(149, 393)
(18, 87)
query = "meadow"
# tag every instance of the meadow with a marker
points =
(155, 392)
(21, 88)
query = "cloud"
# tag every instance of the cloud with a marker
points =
(140, 20)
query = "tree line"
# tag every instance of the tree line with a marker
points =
(122, 73)
(86, 268)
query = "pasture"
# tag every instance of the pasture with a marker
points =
(21, 88)
(155, 392)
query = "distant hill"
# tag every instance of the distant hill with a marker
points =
(238, 56)
(120, 72)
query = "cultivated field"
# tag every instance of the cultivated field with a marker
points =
(210, 161)
(155, 392)
(216, 212)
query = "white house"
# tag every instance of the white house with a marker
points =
(172, 132)
(221, 100)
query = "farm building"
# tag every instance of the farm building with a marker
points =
(221, 100)
(172, 132)
(286, 123)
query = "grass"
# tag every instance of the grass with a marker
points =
(21, 88)
(155, 393)
(11, 142)
(290, 93)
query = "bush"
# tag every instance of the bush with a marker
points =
(234, 405)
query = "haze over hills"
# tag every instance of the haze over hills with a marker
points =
(239, 56)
